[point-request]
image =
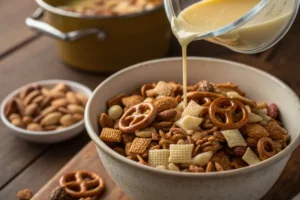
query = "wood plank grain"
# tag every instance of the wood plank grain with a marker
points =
(13, 29)
(15, 155)
(86, 159)
(45, 167)
(21, 68)
(285, 188)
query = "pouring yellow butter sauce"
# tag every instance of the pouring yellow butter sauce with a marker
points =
(210, 15)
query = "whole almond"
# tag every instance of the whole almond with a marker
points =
(46, 101)
(39, 99)
(13, 116)
(75, 108)
(31, 96)
(48, 110)
(50, 127)
(10, 107)
(27, 120)
(18, 122)
(60, 102)
(57, 95)
(44, 112)
(78, 117)
(63, 110)
(166, 115)
(71, 97)
(46, 92)
(51, 119)
(20, 106)
(60, 87)
(34, 127)
(67, 120)
(26, 90)
(31, 109)
(82, 98)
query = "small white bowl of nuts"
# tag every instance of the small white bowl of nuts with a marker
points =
(46, 111)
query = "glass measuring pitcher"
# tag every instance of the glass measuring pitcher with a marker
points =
(259, 29)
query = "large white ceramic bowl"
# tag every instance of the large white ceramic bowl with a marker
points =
(46, 136)
(140, 182)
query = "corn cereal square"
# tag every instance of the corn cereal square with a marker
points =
(192, 109)
(181, 153)
(250, 157)
(139, 145)
(159, 157)
(234, 138)
(110, 135)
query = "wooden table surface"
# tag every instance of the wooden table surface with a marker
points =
(26, 57)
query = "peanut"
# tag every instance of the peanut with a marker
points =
(167, 115)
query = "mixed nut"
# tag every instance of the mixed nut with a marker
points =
(219, 129)
(25, 194)
(111, 7)
(38, 108)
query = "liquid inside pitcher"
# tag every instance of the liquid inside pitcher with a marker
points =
(247, 26)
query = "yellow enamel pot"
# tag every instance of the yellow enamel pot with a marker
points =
(103, 44)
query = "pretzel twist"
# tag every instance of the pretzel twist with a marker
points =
(229, 112)
(137, 117)
(81, 184)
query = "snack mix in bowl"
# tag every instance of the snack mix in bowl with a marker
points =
(219, 129)
(111, 7)
(39, 108)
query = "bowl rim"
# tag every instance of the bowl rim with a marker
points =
(7, 123)
(100, 144)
